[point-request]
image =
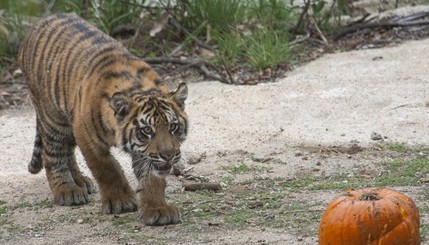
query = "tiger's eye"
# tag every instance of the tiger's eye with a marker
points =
(174, 127)
(147, 130)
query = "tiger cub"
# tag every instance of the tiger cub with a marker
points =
(89, 91)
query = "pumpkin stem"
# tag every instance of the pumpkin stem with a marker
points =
(369, 196)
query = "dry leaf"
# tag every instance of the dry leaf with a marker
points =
(159, 25)
(206, 53)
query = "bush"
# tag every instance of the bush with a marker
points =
(254, 33)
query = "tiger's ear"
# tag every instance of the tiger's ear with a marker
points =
(120, 104)
(179, 96)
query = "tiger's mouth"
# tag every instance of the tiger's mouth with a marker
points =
(163, 169)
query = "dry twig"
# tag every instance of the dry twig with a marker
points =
(359, 27)
(202, 186)
(301, 17)
(198, 63)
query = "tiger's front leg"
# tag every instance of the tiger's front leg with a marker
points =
(116, 194)
(153, 208)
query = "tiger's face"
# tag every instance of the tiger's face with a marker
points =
(153, 128)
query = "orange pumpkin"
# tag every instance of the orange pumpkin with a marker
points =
(370, 216)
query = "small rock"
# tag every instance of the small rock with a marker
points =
(17, 73)
(79, 221)
(261, 158)
(425, 179)
(298, 154)
(376, 136)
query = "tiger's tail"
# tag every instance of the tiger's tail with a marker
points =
(36, 164)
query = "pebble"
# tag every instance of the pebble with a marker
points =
(376, 136)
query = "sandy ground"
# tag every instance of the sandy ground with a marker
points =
(336, 100)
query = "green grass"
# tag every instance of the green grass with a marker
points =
(123, 219)
(106, 14)
(265, 204)
(247, 33)
(424, 232)
(238, 169)
(399, 172)
(243, 168)
(398, 147)
(266, 48)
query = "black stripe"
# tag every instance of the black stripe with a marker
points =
(105, 96)
(64, 64)
(110, 59)
(102, 39)
(35, 42)
(110, 75)
(57, 120)
(89, 34)
(94, 121)
(65, 15)
(124, 137)
(56, 153)
(76, 59)
(100, 140)
(42, 62)
(101, 122)
(141, 71)
(99, 55)
(152, 91)
(81, 27)
(52, 55)
(158, 82)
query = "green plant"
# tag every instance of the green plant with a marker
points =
(329, 18)
(219, 14)
(12, 28)
(251, 33)
(266, 48)
(105, 14)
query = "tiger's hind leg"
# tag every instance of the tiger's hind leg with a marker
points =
(36, 163)
(80, 179)
(68, 185)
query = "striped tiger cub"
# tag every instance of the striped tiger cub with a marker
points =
(89, 91)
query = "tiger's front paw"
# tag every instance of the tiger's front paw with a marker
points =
(116, 202)
(163, 215)
(69, 194)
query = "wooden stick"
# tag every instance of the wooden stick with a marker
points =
(301, 17)
(202, 186)
(377, 25)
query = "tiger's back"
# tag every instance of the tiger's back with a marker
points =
(89, 91)
(62, 52)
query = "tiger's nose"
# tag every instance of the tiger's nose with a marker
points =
(167, 155)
